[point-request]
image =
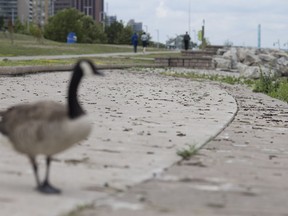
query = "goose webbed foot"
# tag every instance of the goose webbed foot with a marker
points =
(47, 188)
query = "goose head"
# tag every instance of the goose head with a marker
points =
(85, 67)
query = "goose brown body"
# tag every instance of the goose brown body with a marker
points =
(47, 127)
(43, 128)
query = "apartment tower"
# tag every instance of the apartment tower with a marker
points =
(93, 8)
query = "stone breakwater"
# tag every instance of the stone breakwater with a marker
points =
(250, 62)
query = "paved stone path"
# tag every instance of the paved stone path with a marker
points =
(241, 172)
(140, 121)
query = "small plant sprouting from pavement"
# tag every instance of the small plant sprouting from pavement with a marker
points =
(187, 153)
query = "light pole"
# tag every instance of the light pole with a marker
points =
(157, 30)
(102, 19)
(189, 17)
(53, 8)
(203, 32)
(46, 11)
(259, 36)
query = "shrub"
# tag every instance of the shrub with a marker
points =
(265, 84)
(281, 92)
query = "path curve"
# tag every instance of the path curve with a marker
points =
(140, 121)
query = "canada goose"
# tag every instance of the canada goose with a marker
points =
(47, 127)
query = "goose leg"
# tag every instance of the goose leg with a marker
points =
(46, 187)
(35, 169)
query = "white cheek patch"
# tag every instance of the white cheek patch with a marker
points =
(86, 68)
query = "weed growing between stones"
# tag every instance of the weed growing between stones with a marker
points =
(266, 83)
(281, 92)
(272, 86)
(187, 153)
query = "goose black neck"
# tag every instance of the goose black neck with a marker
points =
(74, 108)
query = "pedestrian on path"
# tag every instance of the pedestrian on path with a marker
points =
(186, 41)
(144, 39)
(134, 40)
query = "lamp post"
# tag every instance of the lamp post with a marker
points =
(53, 8)
(46, 11)
(102, 19)
(203, 32)
(259, 36)
(189, 17)
(157, 30)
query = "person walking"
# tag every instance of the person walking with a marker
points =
(186, 41)
(144, 39)
(134, 40)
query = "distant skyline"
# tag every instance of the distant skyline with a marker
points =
(234, 20)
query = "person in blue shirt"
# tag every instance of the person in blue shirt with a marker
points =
(135, 41)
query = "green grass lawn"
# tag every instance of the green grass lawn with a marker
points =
(24, 45)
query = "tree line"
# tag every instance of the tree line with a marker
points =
(72, 20)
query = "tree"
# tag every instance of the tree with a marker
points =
(20, 27)
(118, 34)
(62, 23)
(93, 32)
(125, 35)
(113, 32)
(11, 30)
(36, 32)
(71, 20)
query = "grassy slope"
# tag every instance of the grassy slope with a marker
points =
(24, 45)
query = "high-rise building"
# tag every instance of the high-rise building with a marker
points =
(39, 11)
(136, 26)
(93, 8)
(110, 19)
(8, 10)
(62, 4)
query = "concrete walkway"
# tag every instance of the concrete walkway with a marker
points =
(241, 172)
(140, 121)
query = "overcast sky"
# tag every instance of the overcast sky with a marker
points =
(233, 20)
